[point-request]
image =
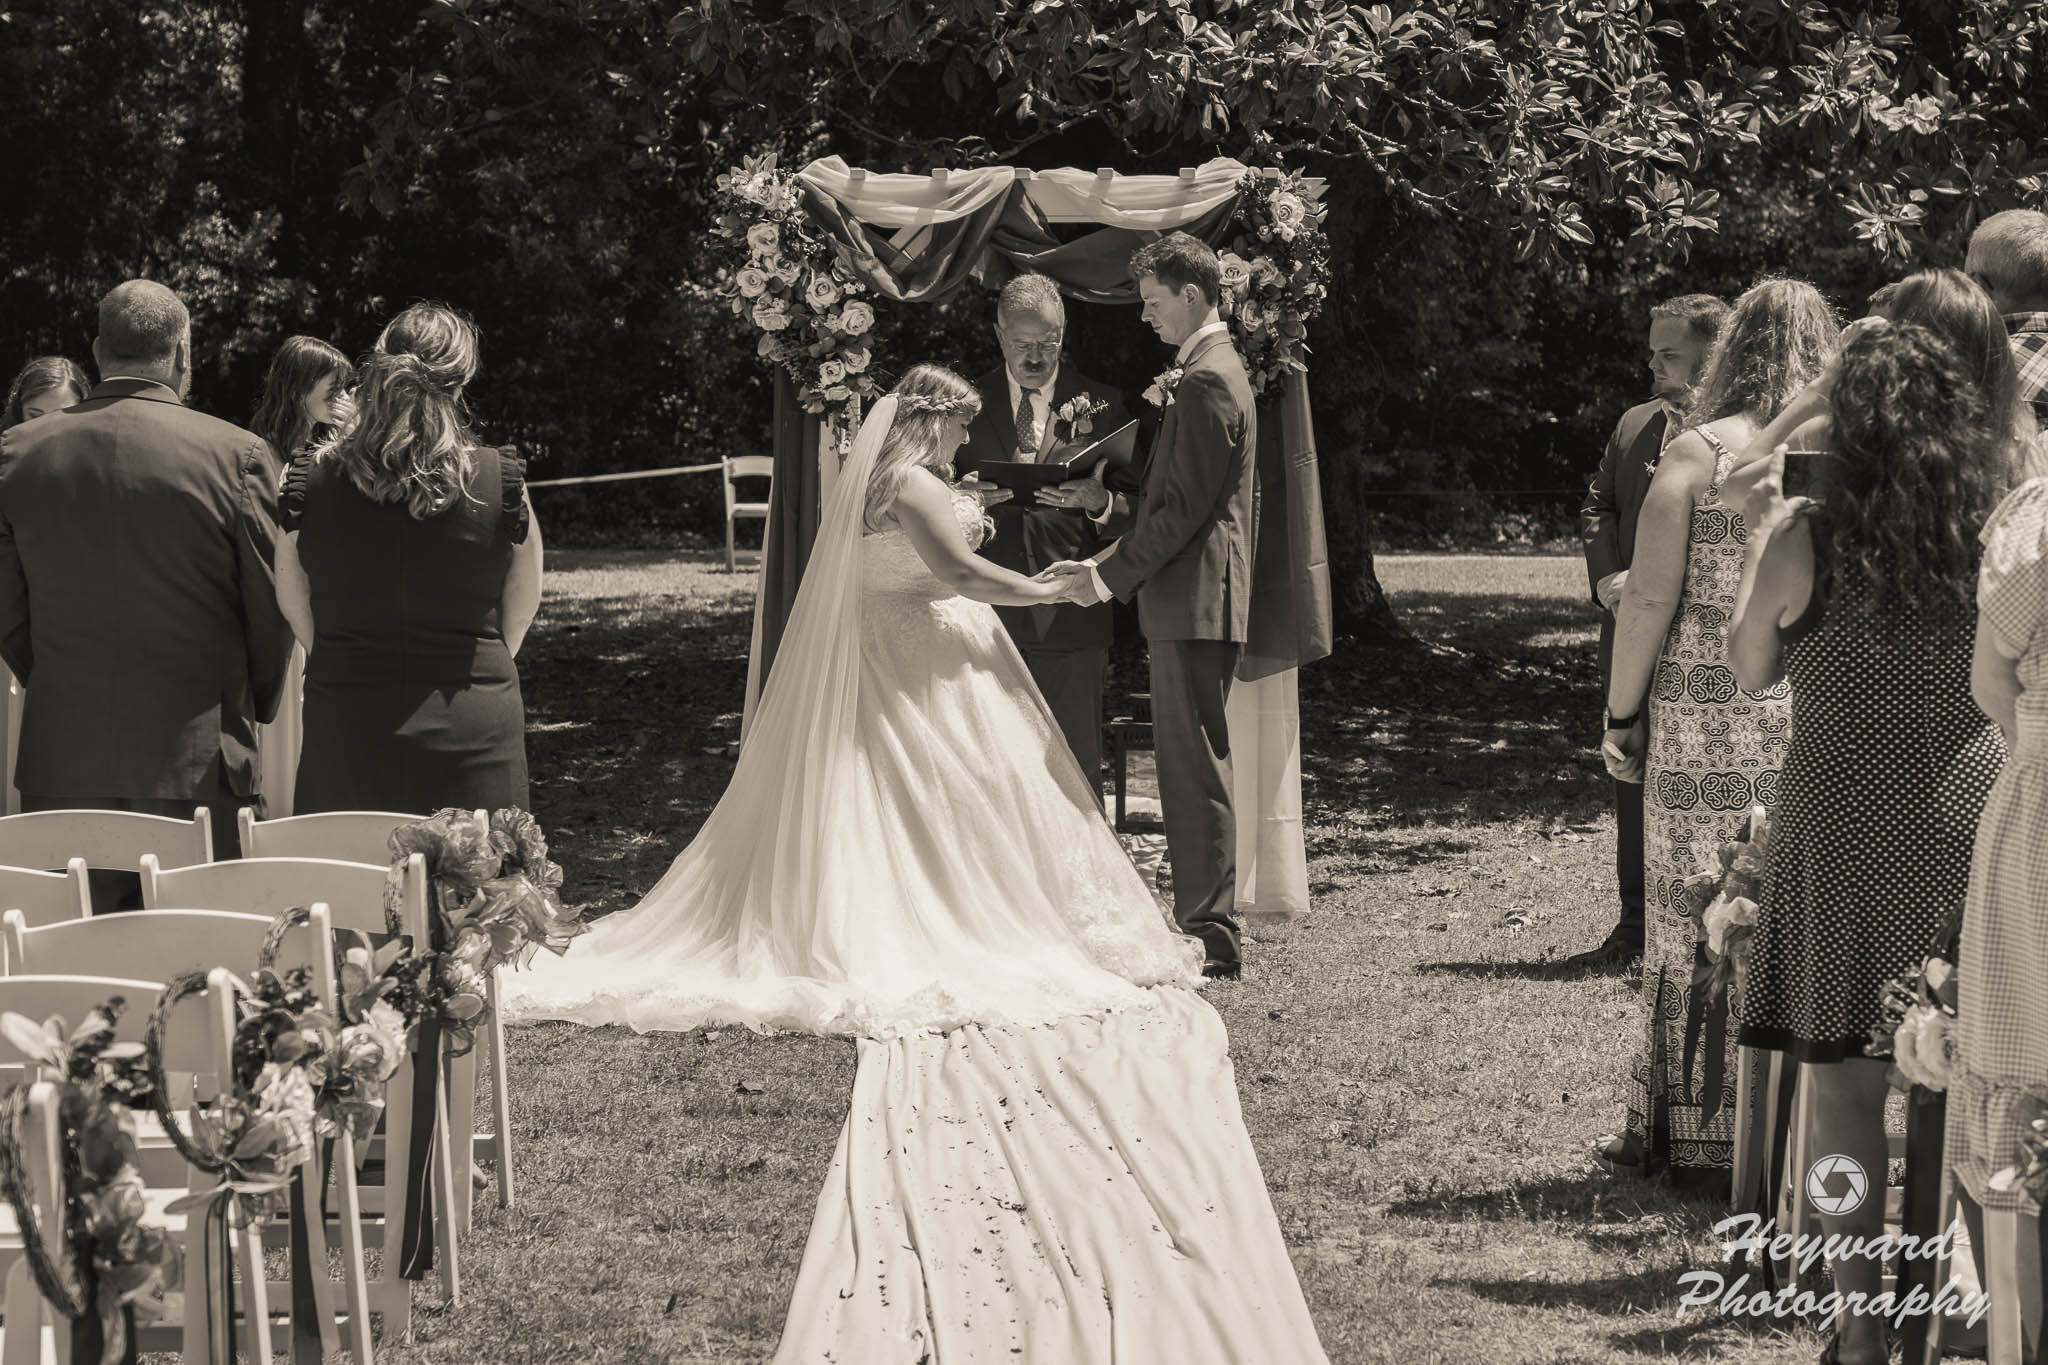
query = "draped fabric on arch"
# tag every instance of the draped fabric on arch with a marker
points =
(917, 239)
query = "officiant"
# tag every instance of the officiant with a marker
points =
(1031, 405)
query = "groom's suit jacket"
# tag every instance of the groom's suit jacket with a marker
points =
(1027, 539)
(1614, 501)
(1187, 552)
(137, 597)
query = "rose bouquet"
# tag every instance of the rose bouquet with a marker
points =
(1275, 274)
(1917, 1027)
(792, 284)
(1721, 900)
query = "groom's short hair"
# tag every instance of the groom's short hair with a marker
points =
(1177, 261)
(1030, 293)
(1703, 314)
(143, 322)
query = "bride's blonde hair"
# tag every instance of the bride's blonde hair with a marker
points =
(928, 395)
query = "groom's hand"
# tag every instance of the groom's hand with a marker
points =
(1079, 579)
(1085, 494)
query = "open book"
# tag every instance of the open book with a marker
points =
(1066, 460)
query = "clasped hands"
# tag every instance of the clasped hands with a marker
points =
(1076, 581)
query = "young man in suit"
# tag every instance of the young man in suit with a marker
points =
(1186, 554)
(1066, 645)
(137, 602)
(1682, 330)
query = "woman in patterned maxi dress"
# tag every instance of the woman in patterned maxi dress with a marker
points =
(1705, 750)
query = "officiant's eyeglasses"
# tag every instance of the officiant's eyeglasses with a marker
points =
(1035, 349)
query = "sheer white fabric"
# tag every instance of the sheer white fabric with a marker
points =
(1264, 717)
(906, 843)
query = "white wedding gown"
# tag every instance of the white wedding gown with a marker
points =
(931, 859)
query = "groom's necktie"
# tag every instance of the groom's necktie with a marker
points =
(1027, 426)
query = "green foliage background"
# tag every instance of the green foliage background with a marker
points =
(1512, 185)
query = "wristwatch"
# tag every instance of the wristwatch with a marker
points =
(1627, 722)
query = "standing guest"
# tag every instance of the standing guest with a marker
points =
(2001, 1063)
(136, 593)
(1066, 646)
(1861, 599)
(1186, 555)
(2009, 256)
(1705, 749)
(1681, 332)
(49, 383)
(305, 397)
(410, 571)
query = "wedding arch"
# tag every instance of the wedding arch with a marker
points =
(814, 252)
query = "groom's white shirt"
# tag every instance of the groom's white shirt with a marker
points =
(1180, 357)
(1041, 403)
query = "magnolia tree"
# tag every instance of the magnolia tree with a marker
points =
(1534, 132)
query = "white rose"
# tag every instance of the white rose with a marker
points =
(822, 294)
(830, 373)
(751, 281)
(771, 315)
(787, 269)
(856, 319)
(855, 359)
(764, 240)
(1233, 271)
(1288, 212)
(1936, 1049)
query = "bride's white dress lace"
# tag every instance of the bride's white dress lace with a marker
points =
(957, 870)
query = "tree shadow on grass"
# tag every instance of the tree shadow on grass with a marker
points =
(1645, 1291)
(1496, 718)
(1555, 970)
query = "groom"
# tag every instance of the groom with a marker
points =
(1186, 552)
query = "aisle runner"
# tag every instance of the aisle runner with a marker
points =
(1072, 1194)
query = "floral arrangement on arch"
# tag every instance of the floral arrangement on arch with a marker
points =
(492, 902)
(129, 1265)
(792, 284)
(1275, 274)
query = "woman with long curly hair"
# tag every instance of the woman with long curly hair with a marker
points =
(1862, 599)
(1705, 749)
(410, 571)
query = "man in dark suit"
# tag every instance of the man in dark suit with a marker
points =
(1187, 556)
(137, 602)
(1066, 646)
(1681, 332)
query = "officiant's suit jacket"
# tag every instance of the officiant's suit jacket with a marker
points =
(1027, 539)
(1186, 549)
(1614, 500)
(137, 598)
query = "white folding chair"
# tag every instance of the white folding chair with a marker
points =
(104, 838)
(46, 897)
(358, 836)
(743, 467)
(197, 1042)
(36, 1332)
(353, 894)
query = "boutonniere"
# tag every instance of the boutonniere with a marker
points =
(1079, 413)
(1160, 394)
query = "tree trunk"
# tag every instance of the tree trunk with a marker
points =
(1358, 603)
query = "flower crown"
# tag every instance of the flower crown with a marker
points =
(926, 402)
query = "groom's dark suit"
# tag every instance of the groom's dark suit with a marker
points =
(137, 604)
(1066, 647)
(1607, 526)
(1188, 557)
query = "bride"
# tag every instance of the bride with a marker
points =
(907, 843)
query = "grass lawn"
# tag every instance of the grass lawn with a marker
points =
(1419, 1082)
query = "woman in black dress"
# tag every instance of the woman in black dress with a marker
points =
(1863, 600)
(410, 570)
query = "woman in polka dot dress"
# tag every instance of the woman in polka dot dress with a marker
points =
(1863, 600)
(1705, 749)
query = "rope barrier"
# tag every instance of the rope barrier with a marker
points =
(630, 474)
(1374, 493)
